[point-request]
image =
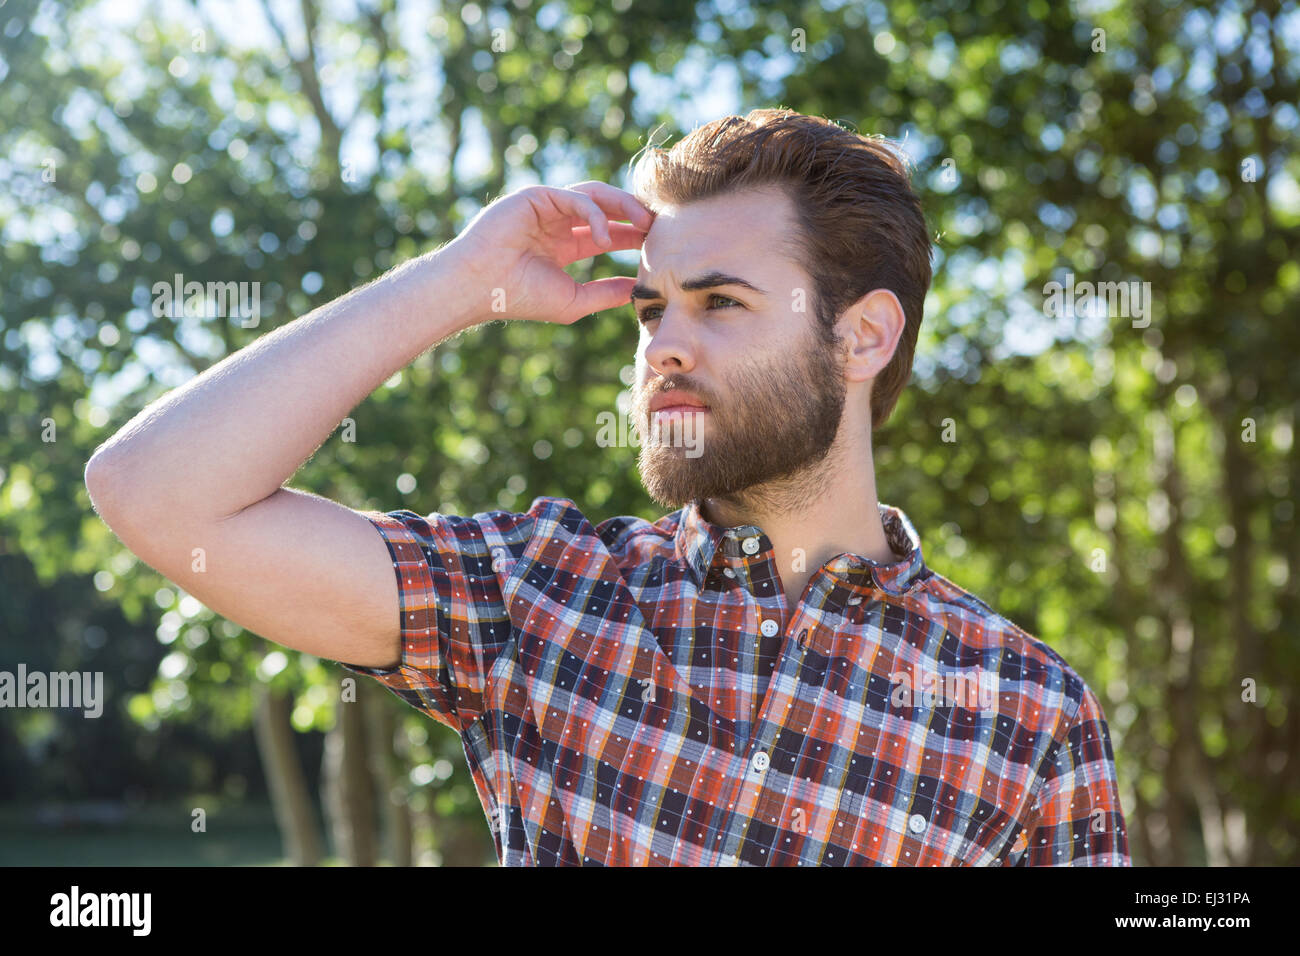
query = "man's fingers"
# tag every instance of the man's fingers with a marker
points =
(596, 296)
(577, 205)
(622, 236)
(618, 203)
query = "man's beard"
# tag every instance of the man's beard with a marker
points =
(756, 446)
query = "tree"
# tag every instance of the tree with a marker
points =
(1116, 482)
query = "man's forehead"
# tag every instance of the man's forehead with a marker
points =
(727, 234)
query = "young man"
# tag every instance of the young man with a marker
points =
(769, 675)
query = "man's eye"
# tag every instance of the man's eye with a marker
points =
(644, 315)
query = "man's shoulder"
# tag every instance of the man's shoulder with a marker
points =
(633, 540)
(548, 519)
(554, 517)
(563, 518)
(983, 630)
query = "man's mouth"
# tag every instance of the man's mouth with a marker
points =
(676, 400)
(679, 409)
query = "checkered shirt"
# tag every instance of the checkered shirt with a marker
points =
(630, 693)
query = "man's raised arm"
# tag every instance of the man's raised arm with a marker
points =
(192, 484)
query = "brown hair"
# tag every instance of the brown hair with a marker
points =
(862, 225)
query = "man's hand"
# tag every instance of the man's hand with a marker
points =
(202, 470)
(516, 249)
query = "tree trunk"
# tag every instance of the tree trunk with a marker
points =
(387, 769)
(1144, 848)
(348, 799)
(284, 778)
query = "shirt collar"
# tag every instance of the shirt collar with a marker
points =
(698, 543)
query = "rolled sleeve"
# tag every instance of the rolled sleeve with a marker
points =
(454, 623)
(1078, 819)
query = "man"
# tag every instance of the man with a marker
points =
(769, 675)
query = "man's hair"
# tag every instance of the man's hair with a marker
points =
(862, 225)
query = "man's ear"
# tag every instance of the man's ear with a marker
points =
(870, 329)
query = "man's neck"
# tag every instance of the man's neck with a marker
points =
(811, 518)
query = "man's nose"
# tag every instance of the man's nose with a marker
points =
(672, 346)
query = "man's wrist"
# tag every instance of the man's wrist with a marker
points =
(452, 290)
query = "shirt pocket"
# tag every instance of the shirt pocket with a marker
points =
(992, 837)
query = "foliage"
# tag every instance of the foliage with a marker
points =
(1095, 480)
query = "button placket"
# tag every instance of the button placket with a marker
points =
(748, 791)
(749, 779)
(753, 790)
(741, 799)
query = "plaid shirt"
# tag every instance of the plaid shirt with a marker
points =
(633, 693)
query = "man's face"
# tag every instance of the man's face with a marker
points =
(774, 391)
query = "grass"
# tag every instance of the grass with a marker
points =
(156, 834)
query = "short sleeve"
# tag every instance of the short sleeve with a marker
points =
(451, 571)
(1078, 819)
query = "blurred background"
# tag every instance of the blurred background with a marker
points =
(1119, 485)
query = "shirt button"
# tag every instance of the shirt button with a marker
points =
(750, 545)
(769, 628)
(917, 823)
(729, 860)
(760, 761)
(728, 572)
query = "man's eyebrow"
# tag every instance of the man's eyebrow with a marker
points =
(707, 280)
